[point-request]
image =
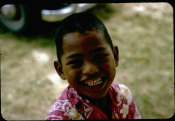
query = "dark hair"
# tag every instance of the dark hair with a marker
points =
(80, 22)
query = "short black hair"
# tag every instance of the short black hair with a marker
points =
(80, 22)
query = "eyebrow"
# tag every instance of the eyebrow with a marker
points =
(99, 49)
(74, 56)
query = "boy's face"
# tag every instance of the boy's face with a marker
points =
(88, 63)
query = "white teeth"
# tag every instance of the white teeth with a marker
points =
(94, 82)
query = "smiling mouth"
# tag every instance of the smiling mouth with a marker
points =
(93, 82)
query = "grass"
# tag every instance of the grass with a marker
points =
(146, 63)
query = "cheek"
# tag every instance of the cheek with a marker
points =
(110, 69)
(72, 76)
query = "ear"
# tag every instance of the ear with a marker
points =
(58, 68)
(116, 55)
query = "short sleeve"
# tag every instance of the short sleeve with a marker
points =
(57, 110)
(133, 112)
(126, 103)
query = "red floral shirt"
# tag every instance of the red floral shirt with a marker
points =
(70, 106)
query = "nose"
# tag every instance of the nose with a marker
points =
(89, 68)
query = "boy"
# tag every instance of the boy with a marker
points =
(88, 61)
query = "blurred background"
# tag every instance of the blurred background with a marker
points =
(142, 31)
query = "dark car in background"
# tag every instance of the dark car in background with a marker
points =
(19, 17)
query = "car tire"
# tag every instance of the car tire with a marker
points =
(19, 17)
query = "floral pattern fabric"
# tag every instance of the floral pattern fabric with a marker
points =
(71, 106)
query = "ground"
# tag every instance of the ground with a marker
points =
(142, 31)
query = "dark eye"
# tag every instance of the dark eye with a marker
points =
(101, 56)
(75, 63)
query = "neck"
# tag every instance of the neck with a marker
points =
(101, 103)
(98, 101)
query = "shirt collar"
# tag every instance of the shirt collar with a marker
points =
(73, 96)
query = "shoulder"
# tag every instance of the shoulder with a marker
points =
(62, 109)
(126, 101)
(121, 88)
(123, 92)
(57, 110)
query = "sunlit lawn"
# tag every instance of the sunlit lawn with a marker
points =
(144, 35)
